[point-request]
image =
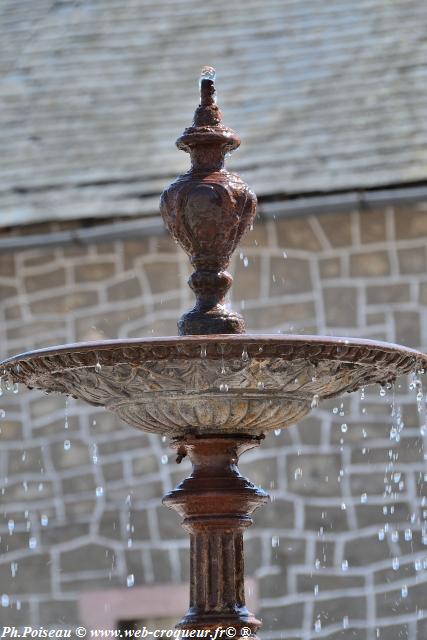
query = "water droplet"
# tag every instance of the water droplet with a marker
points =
(396, 477)
(11, 526)
(317, 563)
(2, 413)
(318, 626)
(395, 536)
(32, 543)
(344, 565)
(99, 492)
(364, 498)
(130, 580)
(164, 459)
(5, 600)
(203, 351)
(260, 385)
(277, 432)
(15, 388)
(381, 534)
(98, 367)
(315, 401)
(345, 622)
(316, 589)
(382, 392)
(335, 410)
(343, 507)
(13, 569)
(418, 564)
(395, 564)
(404, 591)
(275, 541)
(223, 387)
(44, 520)
(245, 261)
(245, 355)
(298, 473)
(344, 427)
(67, 445)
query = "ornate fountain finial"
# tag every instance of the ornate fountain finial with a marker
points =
(207, 210)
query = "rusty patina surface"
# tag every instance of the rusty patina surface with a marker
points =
(216, 503)
(207, 211)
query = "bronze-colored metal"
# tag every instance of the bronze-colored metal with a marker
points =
(207, 210)
(215, 395)
(244, 385)
(216, 503)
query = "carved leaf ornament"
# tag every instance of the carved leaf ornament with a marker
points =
(223, 384)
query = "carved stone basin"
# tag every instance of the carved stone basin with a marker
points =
(214, 384)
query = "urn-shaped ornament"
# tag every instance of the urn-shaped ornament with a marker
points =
(207, 210)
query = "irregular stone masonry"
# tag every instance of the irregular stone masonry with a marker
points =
(67, 506)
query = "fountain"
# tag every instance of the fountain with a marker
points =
(214, 390)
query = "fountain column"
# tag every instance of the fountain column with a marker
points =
(207, 211)
(216, 502)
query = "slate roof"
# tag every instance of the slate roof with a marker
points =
(326, 96)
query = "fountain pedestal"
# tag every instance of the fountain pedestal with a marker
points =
(216, 502)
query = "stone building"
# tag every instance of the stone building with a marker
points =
(329, 99)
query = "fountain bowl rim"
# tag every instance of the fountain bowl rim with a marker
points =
(176, 346)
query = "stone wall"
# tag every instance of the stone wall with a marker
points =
(81, 492)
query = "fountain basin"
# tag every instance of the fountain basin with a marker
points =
(219, 384)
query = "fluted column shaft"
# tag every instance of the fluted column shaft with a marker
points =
(217, 570)
(216, 503)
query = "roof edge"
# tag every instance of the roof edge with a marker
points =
(268, 209)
